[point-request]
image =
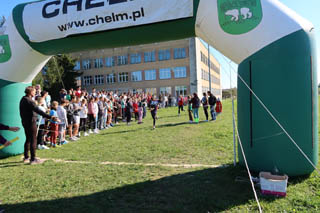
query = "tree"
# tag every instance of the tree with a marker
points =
(57, 74)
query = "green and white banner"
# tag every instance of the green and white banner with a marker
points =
(240, 28)
(55, 19)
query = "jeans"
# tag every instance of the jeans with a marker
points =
(195, 113)
(212, 112)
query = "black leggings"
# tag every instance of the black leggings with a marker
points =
(30, 130)
(154, 117)
(83, 124)
(128, 117)
(40, 134)
(205, 109)
(92, 121)
(180, 108)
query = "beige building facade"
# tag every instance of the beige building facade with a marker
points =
(179, 67)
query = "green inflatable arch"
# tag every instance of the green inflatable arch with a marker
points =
(273, 45)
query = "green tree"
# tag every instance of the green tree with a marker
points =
(57, 74)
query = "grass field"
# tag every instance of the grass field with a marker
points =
(137, 169)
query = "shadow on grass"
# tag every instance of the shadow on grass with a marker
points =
(11, 164)
(208, 190)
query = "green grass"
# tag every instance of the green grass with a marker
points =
(93, 187)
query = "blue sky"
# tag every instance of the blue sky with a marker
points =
(307, 8)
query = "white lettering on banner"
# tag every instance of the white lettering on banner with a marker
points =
(55, 19)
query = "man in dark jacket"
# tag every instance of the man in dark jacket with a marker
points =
(28, 114)
(212, 102)
(3, 141)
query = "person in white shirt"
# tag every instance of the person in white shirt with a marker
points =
(83, 117)
(41, 124)
(62, 115)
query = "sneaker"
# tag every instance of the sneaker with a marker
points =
(26, 160)
(111, 125)
(86, 134)
(206, 121)
(90, 131)
(64, 142)
(40, 147)
(73, 139)
(96, 131)
(36, 161)
(45, 147)
(154, 127)
(190, 122)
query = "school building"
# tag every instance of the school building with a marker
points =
(179, 67)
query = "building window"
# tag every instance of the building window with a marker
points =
(204, 59)
(215, 80)
(123, 77)
(165, 90)
(122, 60)
(110, 62)
(205, 89)
(150, 56)
(86, 64)
(204, 75)
(165, 73)
(181, 90)
(87, 80)
(151, 91)
(135, 58)
(150, 75)
(98, 63)
(135, 91)
(111, 78)
(77, 66)
(164, 55)
(136, 76)
(180, 72)
(98, 79)
(179, 53)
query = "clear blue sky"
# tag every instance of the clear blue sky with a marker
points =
(310, 9)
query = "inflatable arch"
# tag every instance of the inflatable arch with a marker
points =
(273, 45)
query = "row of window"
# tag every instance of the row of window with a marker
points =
(215, 92)
(205, 76)
(205, 60)
(135, 58)
(149, 75)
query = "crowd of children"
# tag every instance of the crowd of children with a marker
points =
(81, 113)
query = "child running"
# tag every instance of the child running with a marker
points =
(154, 107)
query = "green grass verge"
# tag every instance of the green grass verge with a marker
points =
(92, 187)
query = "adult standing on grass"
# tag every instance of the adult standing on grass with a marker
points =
(28, 114)
(153, 109)
(212, 102)
(195, 107)
(205, 105)
(128, 110)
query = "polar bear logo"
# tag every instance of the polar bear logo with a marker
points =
(245, 12)
(235, 13)
(2, 50)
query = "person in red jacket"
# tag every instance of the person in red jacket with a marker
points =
(180, 104)
(3, 141)
(218, 107)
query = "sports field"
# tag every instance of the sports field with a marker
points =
(178, 167)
